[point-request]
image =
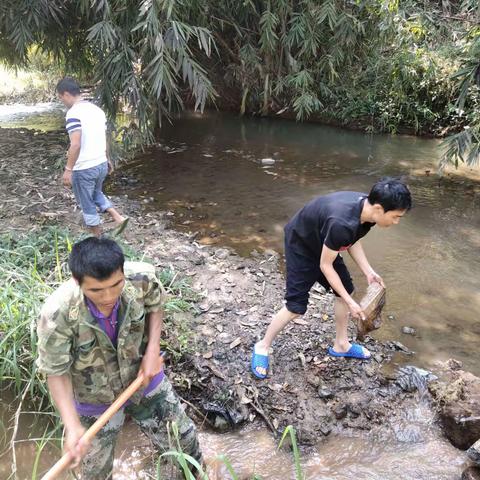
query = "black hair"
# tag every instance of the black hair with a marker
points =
(69, 85)
(95, 257)
(391, 194)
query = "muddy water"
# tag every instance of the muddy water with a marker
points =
(208, 172)
(409, 448)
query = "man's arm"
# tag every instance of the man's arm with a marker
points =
(72, 156)
(60, 387)
(358, 254)
(326, 266)
(152, 362)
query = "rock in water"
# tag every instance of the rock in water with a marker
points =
(474, 452)
(268, 161)
(457, 395)
(471, 473)
(372, 304)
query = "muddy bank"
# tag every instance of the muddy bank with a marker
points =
(237, 296)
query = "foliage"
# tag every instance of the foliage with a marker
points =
(139, 53)
(384, 65)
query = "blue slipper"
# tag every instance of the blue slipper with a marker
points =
(355, 351)
(259, 361)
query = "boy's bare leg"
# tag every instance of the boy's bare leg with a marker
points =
(342, 343)
(116, 217)
(278, 323)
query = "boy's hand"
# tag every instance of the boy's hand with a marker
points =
(152, 363)
(67, 178)
(374, 277)
(355, 310)
(77, 448)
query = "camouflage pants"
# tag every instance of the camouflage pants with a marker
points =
(159, 407)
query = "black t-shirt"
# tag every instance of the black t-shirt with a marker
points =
(333, 220)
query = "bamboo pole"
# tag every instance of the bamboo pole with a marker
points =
(67, 458)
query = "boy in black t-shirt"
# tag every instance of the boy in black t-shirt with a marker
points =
(314, 238)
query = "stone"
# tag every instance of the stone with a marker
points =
(355, 410)
(325, 429)
(325, 393)
(408, 330)
(222, 253)
(340, 411)
(471, 473)
(268, 161)
(457, 397)
(401, 347)
(474, 452)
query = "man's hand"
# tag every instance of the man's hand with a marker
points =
(74, 445)
(355, 310)
(152, 363)
(374, 277)
(67, 178)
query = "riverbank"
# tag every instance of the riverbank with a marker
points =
(319, 395)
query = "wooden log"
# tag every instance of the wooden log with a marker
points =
(372, 305)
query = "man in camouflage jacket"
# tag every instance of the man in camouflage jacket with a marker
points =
(96, 333)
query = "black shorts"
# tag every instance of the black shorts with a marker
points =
(302, 273)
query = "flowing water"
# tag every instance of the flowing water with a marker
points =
(207, 172)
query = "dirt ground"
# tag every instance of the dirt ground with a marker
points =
(237, 297)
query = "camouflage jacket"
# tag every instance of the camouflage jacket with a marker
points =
(70, 341)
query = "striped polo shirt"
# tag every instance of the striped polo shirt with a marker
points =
(90, 120)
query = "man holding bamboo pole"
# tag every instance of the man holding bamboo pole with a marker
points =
(96, 334)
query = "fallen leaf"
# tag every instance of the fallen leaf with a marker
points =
(300, 321)
(208, 355)
(235, 343)
(216, 311)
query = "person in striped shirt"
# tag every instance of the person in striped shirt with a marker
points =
(87, 162)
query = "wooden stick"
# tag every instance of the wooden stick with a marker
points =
(67, 458)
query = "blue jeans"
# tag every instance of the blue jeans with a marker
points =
(87, 187)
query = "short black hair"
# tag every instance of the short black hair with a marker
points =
(392, 194)
(69, 85)
(95, 257)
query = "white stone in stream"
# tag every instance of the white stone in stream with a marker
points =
(268, 161)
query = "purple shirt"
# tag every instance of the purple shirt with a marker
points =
(109, 325)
